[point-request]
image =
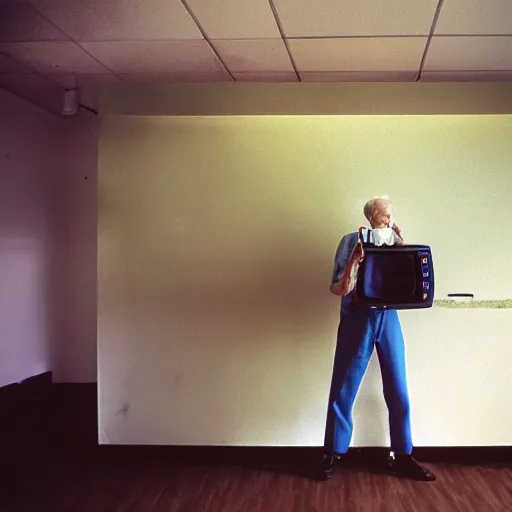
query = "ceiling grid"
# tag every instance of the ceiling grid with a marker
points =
(88, 42)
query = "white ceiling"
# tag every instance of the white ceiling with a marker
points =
(68, 43)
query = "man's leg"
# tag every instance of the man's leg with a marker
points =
(353, 351)
(391, 352)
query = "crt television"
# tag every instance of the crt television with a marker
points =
(395, 277)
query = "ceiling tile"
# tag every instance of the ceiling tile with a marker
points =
(20, 22)
(235, 19)
(155, 78)
(463, 53)
(368, 76)
(155, 56)
(35, 89)
(9, 65)
(53, 56)
(253, 54)
(475, 17)
(330, 18)
(118, 20)
(466, 76)
(265, 77)
(358, 54)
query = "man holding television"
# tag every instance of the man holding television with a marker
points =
(359, 331)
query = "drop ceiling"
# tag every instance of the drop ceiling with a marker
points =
(83, 43)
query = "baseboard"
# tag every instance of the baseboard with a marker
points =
(32, 386)
(465, 454)
(214, 455)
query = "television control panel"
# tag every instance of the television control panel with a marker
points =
(425, 271)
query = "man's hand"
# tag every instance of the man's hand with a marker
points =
(358, 253)
(398, 231)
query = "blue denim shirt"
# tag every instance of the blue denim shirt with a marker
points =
(343, 253)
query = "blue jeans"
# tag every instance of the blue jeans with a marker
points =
(359, 331)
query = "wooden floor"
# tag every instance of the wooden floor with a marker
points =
(161, 486)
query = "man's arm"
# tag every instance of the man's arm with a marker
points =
(347, 279)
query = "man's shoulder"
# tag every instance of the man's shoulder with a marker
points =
(350, 238)
(347, 243)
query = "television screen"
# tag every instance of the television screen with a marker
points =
(390, 277)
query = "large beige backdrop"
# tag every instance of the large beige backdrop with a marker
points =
(216, 242)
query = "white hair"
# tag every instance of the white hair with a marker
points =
(369, 207)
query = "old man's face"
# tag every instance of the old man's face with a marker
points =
(382, 215)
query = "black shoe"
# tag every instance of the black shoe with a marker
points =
(325, 469)
(406, 467)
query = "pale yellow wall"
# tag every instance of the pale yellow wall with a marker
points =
(216, 240)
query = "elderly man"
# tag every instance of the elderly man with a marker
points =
(360, 330)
